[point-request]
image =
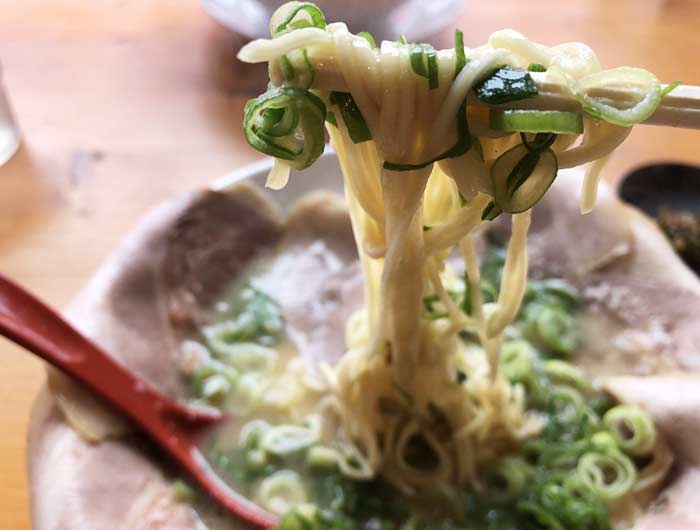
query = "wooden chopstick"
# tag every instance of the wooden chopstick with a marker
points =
(680, 108)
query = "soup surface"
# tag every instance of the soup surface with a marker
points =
(284, 448)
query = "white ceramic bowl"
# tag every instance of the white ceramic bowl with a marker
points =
(385, 19)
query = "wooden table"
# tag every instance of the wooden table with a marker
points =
(123, 103)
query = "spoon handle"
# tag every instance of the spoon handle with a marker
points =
(30, 323)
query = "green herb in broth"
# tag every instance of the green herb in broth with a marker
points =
(249, 324)
(251, 316)
(546, 317)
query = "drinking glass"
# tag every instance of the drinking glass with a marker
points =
(9, 134)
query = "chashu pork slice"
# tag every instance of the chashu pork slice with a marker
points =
(640, 300)
(91, 470)
(640, 327)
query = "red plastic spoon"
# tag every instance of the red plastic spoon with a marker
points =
(174, 427)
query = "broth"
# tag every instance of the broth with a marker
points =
(283, 450)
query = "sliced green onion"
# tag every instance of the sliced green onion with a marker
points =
(215, 388)
(670, 88)
(350, 112)
(200, 375)
(551, 328)
(303, 75)
(521, 177)
(286, 123)
(460, 57)
(536, 67)
(281, 491)
(558, 291)
(488, 294)
(417, 58)
(566, 403)
(536, 121)
(183, 492)
(517, 357)
(604, 442)
(402, 40)
(632, 428)
(309, 70)
(556, 329)
(256, 459)
(247, 394)
(330, 118)
(287, 68)
(369, 38)
(504, 85)
(558, 499)
(564, 496)
(322, 458)
(294, 521)
(432, 69)
(314, 18)
(517, 364)
(609, 476)
(563, 373)
(423, 59)
(540, 142)
(243, 356)
(252, 433)
(624, 76)
(491, 211)
(287, 439)
(543, 517)
(551, 454)
(507, 479)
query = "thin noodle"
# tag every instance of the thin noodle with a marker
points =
(406, 223)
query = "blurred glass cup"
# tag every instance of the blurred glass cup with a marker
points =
(9, 134)
(385, 19)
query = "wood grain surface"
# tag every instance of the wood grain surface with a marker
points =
(123, 103)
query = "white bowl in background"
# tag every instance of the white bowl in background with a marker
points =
(385, 19)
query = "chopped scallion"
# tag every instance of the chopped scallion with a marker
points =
(369, 38)
(287, 68)
(647, 87)
(460, 57)
(330, 118)
(491, 211)
(314, 19)
(286, 123)
(670, 88)
(521, 176)
(536, 121)
(423, 59)
(350, 112)
(504, 85)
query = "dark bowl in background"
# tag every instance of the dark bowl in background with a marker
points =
(667, 185)
(674, 191)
